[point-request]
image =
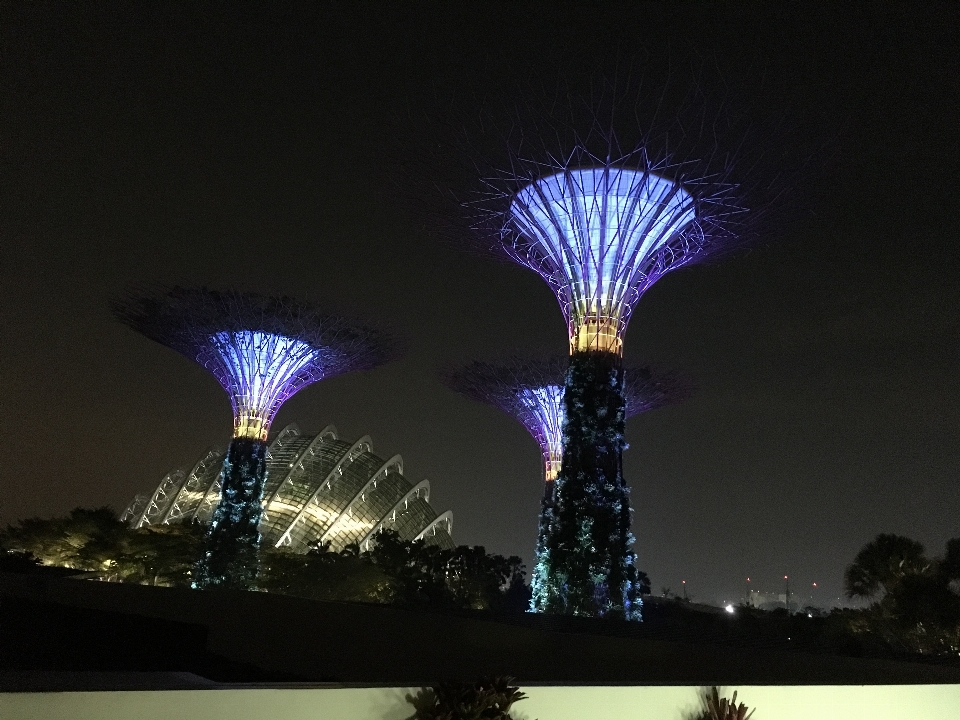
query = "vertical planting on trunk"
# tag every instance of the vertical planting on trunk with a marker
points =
(588, 565)
(231, 556)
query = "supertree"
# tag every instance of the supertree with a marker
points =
(261, 349)
(601, 216)
(530, 390)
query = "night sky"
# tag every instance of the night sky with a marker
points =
(279, 152)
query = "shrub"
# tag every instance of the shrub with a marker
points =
(486, 699)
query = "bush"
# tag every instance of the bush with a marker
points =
(718, 708)
(486, 699)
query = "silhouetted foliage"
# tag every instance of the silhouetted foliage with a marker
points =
(16, 561)
(715, 707)
(400, 572)
(392, 571)
(882, 563)
(486, 699)
(917, 600)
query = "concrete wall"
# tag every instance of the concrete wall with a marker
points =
(824, 702)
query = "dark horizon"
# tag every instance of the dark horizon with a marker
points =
(260, 150)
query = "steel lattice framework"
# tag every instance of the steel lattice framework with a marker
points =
(530, 390)
(603, 194)
(600, 237)
(261, 349)
(320, 488)
(602, 232)
(601, 217)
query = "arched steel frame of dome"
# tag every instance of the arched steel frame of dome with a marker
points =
(319, 488)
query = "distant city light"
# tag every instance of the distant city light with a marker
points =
(730, 609)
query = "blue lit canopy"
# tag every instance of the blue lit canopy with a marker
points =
(261, 348)
(531, 391)
(600, 237)
(541, 413)
(260, 371)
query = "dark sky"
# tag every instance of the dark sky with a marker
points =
(203, 145)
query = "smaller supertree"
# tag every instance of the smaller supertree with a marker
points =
(530, 390)
(261, 349)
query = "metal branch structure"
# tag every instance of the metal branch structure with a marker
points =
(320, 488)
(531, 391)
(601, 221)
(600, 236)
(262, 349)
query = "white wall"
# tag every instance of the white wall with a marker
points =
(850, 702)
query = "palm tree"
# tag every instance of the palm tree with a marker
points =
(882, 564)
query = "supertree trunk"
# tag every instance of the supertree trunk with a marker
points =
(231, 557)
(588, 565)
(539, 580)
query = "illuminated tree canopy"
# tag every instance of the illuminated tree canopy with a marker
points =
(261, 349)
(530, 390)
(600, 237)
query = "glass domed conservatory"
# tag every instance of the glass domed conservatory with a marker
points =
(319, 489)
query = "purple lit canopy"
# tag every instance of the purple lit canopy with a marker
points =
(261, 349)
(600, 237)
(531, 391)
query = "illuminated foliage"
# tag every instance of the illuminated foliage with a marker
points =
(233, 539)
(588, 564)
(393, 570)
(61, 541)
(96, 541)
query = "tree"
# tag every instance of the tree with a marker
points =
(96, 541)
(486, 699)
(917, 606)
(325, 575)
(60, 541)
(882, 564)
